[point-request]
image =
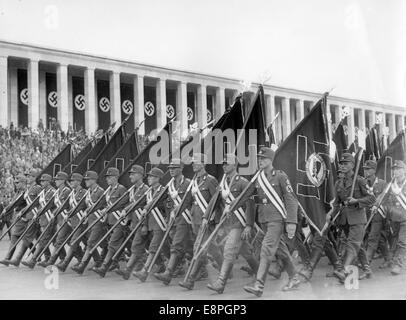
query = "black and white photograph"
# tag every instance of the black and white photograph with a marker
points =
(202, 154)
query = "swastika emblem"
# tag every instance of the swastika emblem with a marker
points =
(24, 96)
(53, 99)
(149, 108)
(104, 104)
(209, 116)
(80, 102)
(189, 113)
(127, 107)
(170, 111)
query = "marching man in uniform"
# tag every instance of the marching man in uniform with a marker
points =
(353, 216)
(277, 213)
(395, 207)
(203, 189)
(97, 231)
(183, 223)
(119, 234)
(240, 223)
(29, 196)
(140, 188)
(47, 194)
(155, 224)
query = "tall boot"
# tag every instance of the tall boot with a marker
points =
(307, 271)
(97, 258)
(143, 274)
(221, 281)
(367, 272)
(105, 265)
(126, 273)
(16, 261)
(7, 258)
(33, 260)
(275, 268)
(258, 287)
(348, 259)
(64, 264)
(167, 275)
(190, 281)
(253, 264)
(78, 254)
(79, 269)
(334, 259)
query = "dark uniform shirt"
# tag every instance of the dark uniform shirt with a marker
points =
(353, 214)
(160, 205)
(78, 194)
(62, 193)
(92, 198)
(48, 194)
(180, 189)
(134, 195)
(112, 196)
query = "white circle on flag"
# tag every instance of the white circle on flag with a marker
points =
(53, 99)
(127, 107)
(209, 115)
(80, 102)
(149, 108)
(189, 113)
(104, 104)
(170, 111)
(24, 96)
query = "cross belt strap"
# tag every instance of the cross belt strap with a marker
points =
(159, 218)
(271, 194)
(49, 215)
(139, 213)
(397, 191)
(177, 200)
(381, 211)
(197, 195)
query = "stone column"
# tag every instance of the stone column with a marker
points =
(115, 99)
(392, 129)
(62, 87)
(4, 120)
(371, 118)
(14, 96)
(201, 106)
(399, 123)
(286, 128)
(351, 126)
(219, 103)
(181, 101)
(139, 103)
(361, 119)
(33, 93)
(90, 96)
(299, 110)
(160, 103)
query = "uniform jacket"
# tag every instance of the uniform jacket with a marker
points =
(111, 197)
(61, 195)
(95, 195)
(396, 212)
(48, 195)
(377, 186)
(180, 191)
(353, 214)
(208, 186)
(266, 210)
(79, 193)
(30, 195)
(161, 206)
(135, 194)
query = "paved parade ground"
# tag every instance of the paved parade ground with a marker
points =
(23, 283)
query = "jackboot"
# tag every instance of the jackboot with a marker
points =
(258, 287)
(33, 261)
(49, 262)
(79, 269)
(348, 259)
(276, 268)
(253, 264)
(105, 265)
(190, 281)
(7, 258)
(367, 272)
(307, 271)
(221, 281)
(292, 284)
(16, 261)
(64, 264)
(142, 275)
(334, 259)
(167, 275)
(126, 273)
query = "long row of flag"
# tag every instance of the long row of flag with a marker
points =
(309, 155)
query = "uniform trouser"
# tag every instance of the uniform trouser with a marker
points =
(181, 239)
(76, 235)
(375, 238)
(95, 234)
(212, 249)
(32, 233)
(63, 234)
(6, 223)
(355, 235)
(399, 254)
(140, 242)
(119, 234)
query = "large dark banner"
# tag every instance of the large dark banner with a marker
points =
(127, 105)
(79, 103)
(170, 104)
(210, 113)
(51, 99)
(149, 109)
(22, 98)
(191, 109)
(103, 103)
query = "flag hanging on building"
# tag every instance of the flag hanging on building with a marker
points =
(305, 157)
(59, 162)
(123, 157)
(395, 151)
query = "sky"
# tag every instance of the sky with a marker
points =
(355, 47)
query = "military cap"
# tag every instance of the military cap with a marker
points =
(137, 169)
(347, 157)
(399, 164)
(76, 177)
(61, 176)
(370, 164)
(46, 177)
(266, 152)
(112, 172)
(199, 158)
(230, 158)
(20, 178)
(91, 175)
(156, 172)
(176, 163)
